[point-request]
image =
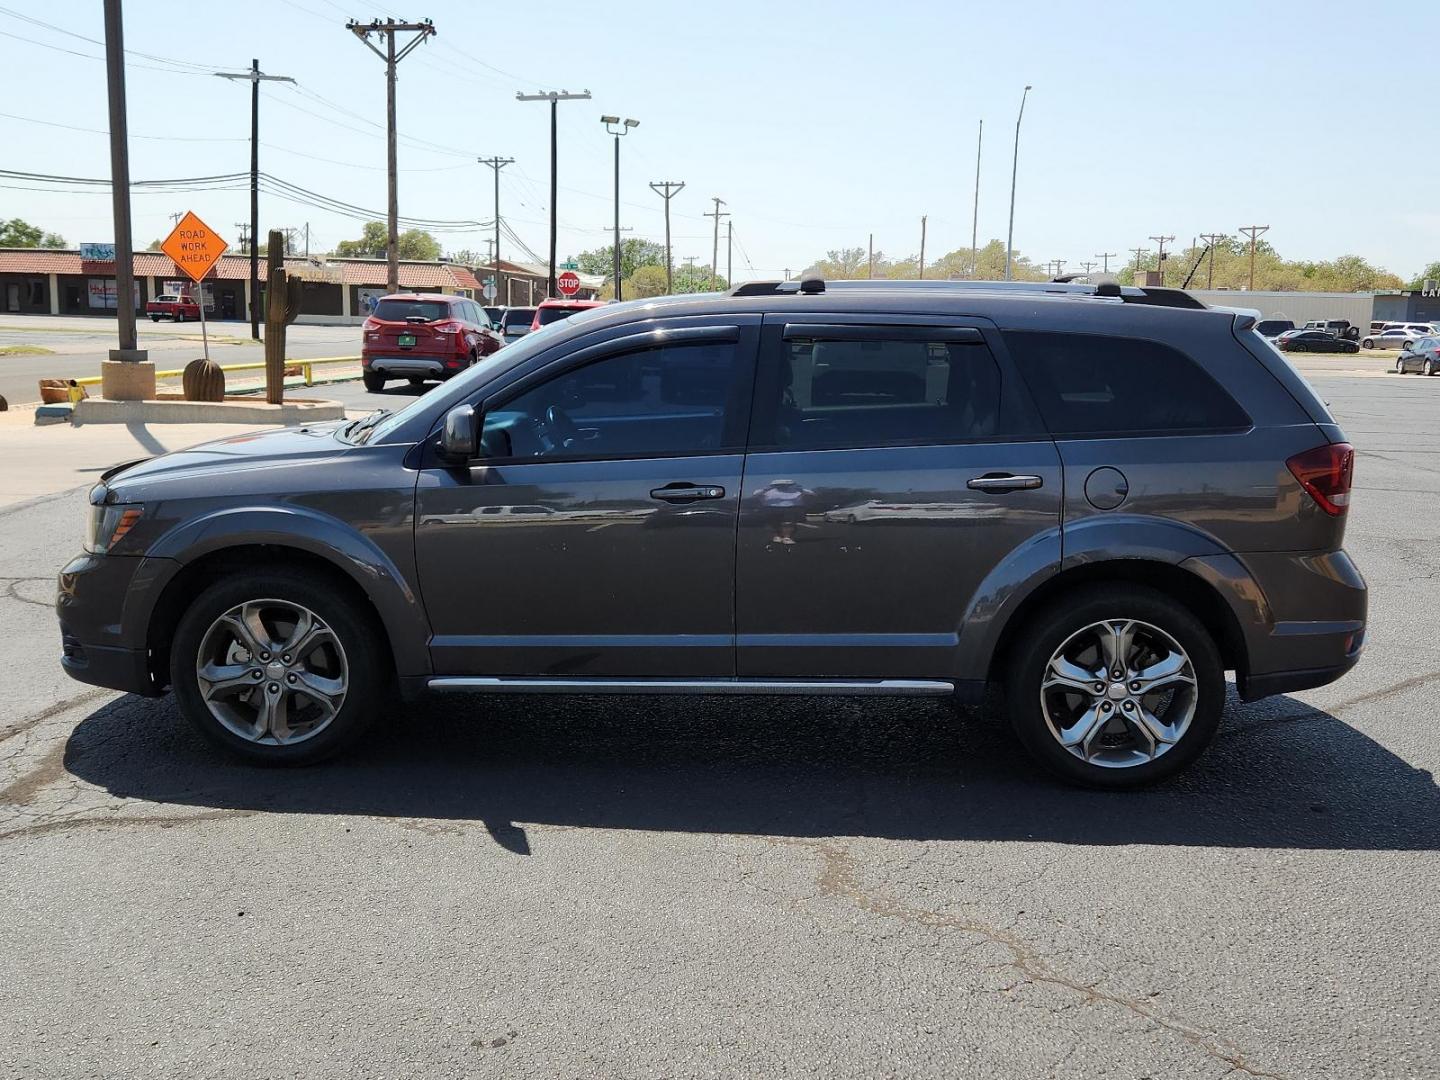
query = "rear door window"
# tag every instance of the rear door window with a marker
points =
(867, 386)
(1089, 385)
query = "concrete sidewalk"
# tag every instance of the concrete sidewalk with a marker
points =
(44, 460)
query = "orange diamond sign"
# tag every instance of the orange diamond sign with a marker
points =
(194, 246)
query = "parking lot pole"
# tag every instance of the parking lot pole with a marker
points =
(120, 182)
(554, 97)
(1014, 167)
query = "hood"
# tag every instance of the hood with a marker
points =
(253, 451)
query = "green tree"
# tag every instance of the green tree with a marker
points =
(154, 245)
(634, 253)
(696, 279)
(17, 233)
(1430, 273)
(988, 265)
(415, 244)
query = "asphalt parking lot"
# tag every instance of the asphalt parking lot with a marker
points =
(659, 887)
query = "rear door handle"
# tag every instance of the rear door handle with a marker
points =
(683, 493)
(1002, 482)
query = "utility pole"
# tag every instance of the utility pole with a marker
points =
(1160, 255)
(254, 77)
(129, 343)
(1059, 267)
(975, 214)
(872, 254)
(307, 239)
(730, 252)
(1087, 266)
(667, 190)
(290, 232)
(787, 273)
(614, 126)
(1106, 256)
(1014, 168)
(1253, 231)
(922, 246)
(1212, 239)
(554, 97)
(1139, 254)
(717, 214)
(388, 29)
(496, 163)
(244, 234)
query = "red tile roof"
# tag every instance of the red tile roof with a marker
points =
(413, 275)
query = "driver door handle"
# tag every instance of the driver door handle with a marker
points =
(1004, 482)
(683, 493)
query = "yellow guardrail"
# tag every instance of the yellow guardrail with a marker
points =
(306, 369)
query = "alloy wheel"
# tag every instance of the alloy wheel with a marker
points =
(272, 672)
(1119, 693)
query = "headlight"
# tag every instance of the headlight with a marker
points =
(109, 524)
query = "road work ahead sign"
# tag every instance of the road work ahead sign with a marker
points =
(194, 246)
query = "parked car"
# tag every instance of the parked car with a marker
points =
(1422, 355)
(177, 306)
(1393, 338)
(279, 582)
(1273, 328)
(1314, 341)
(515, 323)
(420, 336)
(551, 311)
(1341, 328)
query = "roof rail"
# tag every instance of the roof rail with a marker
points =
(1130, 294)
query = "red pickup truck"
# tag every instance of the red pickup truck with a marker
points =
(177, 306)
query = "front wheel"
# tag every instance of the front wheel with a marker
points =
(1399, 365)
(1367, 343)
(179, 316)
(374, 381)
(1115, 687)
(154, 318)
(276, 667)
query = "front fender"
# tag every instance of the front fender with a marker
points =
(341, 545)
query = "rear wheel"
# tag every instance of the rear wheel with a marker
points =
(276, 667)
(374, 381)
(1115, 687)
(1427, 368)
(417, 380)
(154, 318)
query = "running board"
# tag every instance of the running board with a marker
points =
(508, 685)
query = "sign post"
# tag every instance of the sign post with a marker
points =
(195, 249)
(568, 283)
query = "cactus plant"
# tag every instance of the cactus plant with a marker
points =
(283, 295)
(203, 380)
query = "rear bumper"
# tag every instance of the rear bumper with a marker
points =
(431, 366)
(1301, 617)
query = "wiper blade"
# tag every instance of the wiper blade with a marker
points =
(366, 423)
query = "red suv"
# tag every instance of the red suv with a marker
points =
(554, 310)
(423, 336)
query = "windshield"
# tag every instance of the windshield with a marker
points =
(550, 315)
(400, 310)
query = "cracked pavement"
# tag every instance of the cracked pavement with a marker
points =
(627, 887)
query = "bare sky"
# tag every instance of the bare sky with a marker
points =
(817, 123)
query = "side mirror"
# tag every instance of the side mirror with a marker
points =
(457, 437)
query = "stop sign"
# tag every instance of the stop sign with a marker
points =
(568, 283)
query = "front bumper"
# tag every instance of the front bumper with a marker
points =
(104, 603)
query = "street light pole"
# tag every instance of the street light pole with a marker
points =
(615, 126)
(254, 77)
(1014, 168)
(554, 97)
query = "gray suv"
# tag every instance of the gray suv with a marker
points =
(1099, 498)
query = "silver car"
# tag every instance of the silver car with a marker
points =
(1394, 338)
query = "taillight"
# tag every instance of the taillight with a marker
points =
(370, 323)
(447, 327)
(1326, 473)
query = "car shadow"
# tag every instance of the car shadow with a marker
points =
(1281, 774)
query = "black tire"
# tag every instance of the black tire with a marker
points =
(1428, 368)
(1051, 627)
(179, 316)
(354, 627)
(374, 381)
(417, 380)
(1399, 366)
(154, 318)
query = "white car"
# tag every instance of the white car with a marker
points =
(1395, 337)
